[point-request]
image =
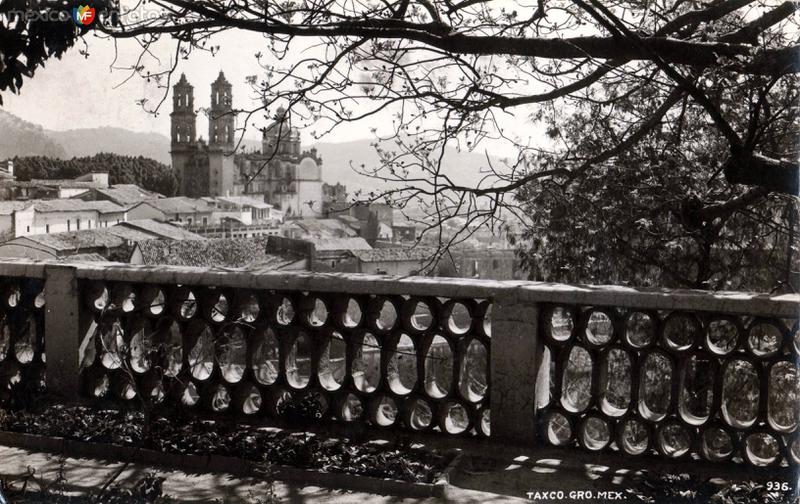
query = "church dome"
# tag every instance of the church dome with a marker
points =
(308, 169)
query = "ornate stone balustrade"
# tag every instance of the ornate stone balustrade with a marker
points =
(679, 373)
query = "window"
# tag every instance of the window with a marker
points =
(78, 224)
(29, 229)
(69, 227)
(89, 224)
(118, 221)
(333, 264)
(189, 220)
(495, 264)
(205, 221)
(47, 228)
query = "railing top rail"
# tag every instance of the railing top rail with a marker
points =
(782, 306)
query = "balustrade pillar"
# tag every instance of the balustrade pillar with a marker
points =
(62, 330)
(516, 373)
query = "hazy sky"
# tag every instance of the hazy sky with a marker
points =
(86, 92)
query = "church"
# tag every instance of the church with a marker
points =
(281, 173)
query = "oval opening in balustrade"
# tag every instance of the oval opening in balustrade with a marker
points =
(220, 398)
(153, 301)
(353, 314)
(558, 429)
(655, 386)
(298, 361)
(438, 368)
(333, 362)
(385, 316)
(218, 307)
(595, 433)
(319, 314)
(722, 336)
(716, 444)
(474, 369)
(248, 308)
(761, 449)
(454, 418)
(633, 437)
(764, 339)
(5, 337)
(417, 315)
(141, 344)
(599, 328)
(185, 303)
(681, 331)
(487, 321)
(96, 296)
(201, 355)
(351, 408)
(615, 382)
(640, 329)
(783, 400)
(366, 370)
(232, 353)
(402, 366)
(99, 385)
(123, 297)
(794, 449)
(266, 357)
(153, 388)
(25, 346)
(171, 343)
(122, 386)
(674, 440)
(249, 399)
(190, 396)
(384, 411)
(696, 392)
(576, 382)
(112, 343)
(458, 318)
(420, 414)
(559, 323)
(485, 422)
(740, 394)
(284, 312)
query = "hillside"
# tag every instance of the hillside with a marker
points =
(21, 138)
(88, 142)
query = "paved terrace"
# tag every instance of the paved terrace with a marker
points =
(566, 375)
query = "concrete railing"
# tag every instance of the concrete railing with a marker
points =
(680, 373)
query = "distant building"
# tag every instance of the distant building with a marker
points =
(114, 243)
(178, 209)
(21, 218)
(281, 174)
(121, 194)
(16, 190)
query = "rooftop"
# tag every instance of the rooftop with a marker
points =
(9, 207)
(332, 244)
(244, 201)
(218, 252)
(76, 205)
(112, 237)
(127, 194)
(161, 229)
(180, 205)
(395, 254)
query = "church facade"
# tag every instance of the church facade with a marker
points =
(281, 174)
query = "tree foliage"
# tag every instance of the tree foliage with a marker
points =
(458, 72)
(146, 173)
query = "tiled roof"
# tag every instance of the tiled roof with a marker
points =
(87, 239)
(245, 201)
(160, 229)
(76, 205)
(325, 228)
(220, 252)
(128, 194)
(395, 254)
(180, 205)
(329, 244)
(9, 207)
(64, 183)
